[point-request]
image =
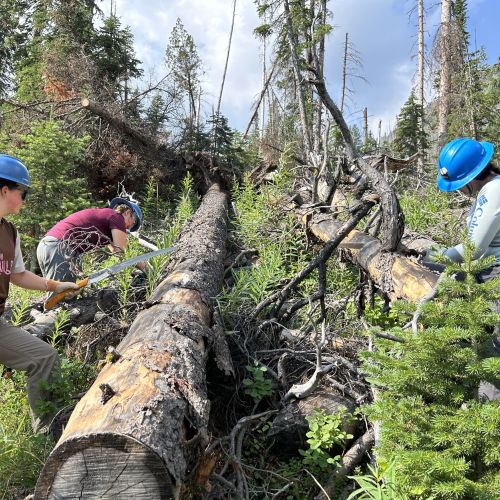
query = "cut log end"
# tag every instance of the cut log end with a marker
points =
(104, 466)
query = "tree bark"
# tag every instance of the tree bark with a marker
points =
(293, 44)
(140, 429)
(392, 216)
(420, 87)
(394, 274)
(444, 72)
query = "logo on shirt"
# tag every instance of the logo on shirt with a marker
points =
(482, 200)
(5, 265)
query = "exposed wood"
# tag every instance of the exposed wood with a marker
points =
(395, 274)
(351, 458)
(392, 164)
(140, 429)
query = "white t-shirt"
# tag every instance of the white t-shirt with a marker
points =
(18, 266)
(483, 224)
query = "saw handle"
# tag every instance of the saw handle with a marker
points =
(55, 299)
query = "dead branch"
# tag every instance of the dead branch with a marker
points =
(281, 296)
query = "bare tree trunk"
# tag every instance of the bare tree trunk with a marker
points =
(318, 105)
(259, 101)
(217, 111)
(344, 73)
(392, 216)
(262, 99)
(445, 72)
(293, 44)
(140, 429)
(420, 90)
(227, 59)
(365, 127)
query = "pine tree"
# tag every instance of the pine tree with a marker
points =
(115, 57)
(58, 189)
(443, 438)
(183, 60)
(408, 134)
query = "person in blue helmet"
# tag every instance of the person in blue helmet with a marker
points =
(59, 251)
(18, 349)
(466, 165)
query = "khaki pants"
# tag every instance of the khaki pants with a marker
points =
(21, 351)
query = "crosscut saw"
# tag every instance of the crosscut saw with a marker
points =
(105, 274)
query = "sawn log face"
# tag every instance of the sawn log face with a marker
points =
(143, 422)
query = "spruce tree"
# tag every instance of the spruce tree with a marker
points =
(443, 438)
(408, 134)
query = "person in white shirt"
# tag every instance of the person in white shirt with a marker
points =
(465, 165)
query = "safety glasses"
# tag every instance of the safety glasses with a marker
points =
(24, 192)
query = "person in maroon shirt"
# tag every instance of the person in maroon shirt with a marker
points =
(59, 250)
(19, 349)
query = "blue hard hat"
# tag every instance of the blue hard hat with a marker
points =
(12, 169)
(461, 161)
(135, 208)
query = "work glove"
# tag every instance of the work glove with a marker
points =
(63, 285)
(59, 286)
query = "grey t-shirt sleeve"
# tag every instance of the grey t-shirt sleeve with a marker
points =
(484, 222)
(18, 266)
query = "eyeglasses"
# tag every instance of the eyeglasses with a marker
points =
(24, 192)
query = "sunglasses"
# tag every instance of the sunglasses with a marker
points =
(24, 192)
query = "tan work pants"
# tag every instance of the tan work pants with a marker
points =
(21, 351)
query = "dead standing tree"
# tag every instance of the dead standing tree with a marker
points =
(142, 425)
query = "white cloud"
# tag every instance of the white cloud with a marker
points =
(380, 30)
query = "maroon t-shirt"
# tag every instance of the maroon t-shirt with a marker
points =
(88, 229)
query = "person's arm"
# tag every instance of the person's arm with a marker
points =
(29, 280)
(119, 243)
(484, 223)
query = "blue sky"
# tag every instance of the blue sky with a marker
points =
(382, 32)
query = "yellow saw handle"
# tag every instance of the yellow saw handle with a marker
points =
(55, 299)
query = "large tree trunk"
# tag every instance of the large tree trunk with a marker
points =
(444, 72)
(394, 274)
(420, 85)
(140, 429)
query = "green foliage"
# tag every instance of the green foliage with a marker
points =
(20, 300)
(379, 484)
(60, 324)
(443, 440)
(114, 54)
(409, 134)
(257, 386)
(52, 157)
(74, 378)
(325, 432)
(22, 453)
(154, 209)
(429, 212)
(378, 316)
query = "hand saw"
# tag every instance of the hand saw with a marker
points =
(104, 274)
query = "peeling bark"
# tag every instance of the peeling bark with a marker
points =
(394, 274)
(140, 429)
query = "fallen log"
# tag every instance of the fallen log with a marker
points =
(394, 274)
(139, 431)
